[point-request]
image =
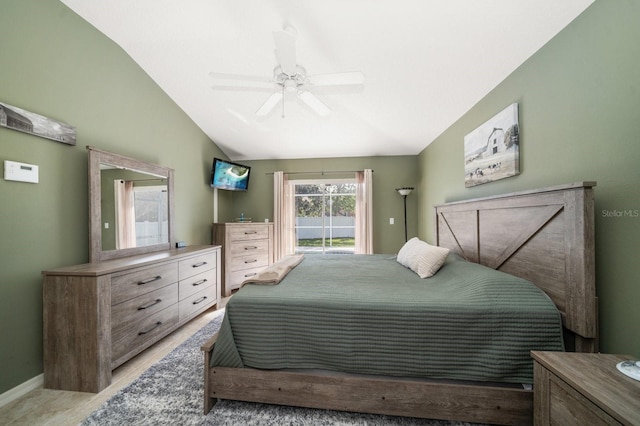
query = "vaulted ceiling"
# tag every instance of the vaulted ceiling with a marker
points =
(425, 63)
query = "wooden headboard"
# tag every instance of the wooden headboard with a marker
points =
(545, 236)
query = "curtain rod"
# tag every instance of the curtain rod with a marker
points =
(322, 172)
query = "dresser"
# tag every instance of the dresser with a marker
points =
(583, 389)
(96, 316)
(247, 248)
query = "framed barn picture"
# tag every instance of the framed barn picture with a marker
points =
(19, 119)
(492, 151)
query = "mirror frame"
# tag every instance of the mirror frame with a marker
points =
(97, 157)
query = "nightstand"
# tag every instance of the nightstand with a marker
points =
(583, 389)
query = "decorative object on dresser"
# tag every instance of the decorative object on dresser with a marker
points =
(580, 389)
(98, 315)
(247, 248)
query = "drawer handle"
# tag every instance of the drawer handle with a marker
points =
(202, 299)
(251, 261)
(197, 265)
(251, 248)
(149, 280)
(253, 274)
(142, 308)
(199, 282)
(250, 232)
(156, 325)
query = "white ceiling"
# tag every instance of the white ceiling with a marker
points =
(426, 63)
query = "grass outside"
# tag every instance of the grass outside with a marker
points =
(335, 242)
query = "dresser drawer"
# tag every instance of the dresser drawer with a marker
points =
(196, 283)
(124, 314)
(138, 334)
(237, 278)
(249, 247)
(197, 302)
(248, 232)
(143, 280)
(255, 260)
(197, 264)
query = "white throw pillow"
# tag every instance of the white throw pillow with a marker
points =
(422, 258)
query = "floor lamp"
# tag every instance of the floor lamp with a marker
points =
(404, 192)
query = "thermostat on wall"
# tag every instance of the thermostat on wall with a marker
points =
(21, 172)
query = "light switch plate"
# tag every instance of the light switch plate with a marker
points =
(21, 172)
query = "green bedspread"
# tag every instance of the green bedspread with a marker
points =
(370, 315)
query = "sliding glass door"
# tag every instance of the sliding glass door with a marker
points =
(325, 216)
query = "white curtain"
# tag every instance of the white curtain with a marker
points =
(125, 214)
(283, 216)
(364, 212)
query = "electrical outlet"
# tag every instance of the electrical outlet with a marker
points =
(391, 221)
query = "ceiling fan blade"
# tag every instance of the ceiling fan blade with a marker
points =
(314, 103)
(337, 78)
(285, 41)
(269, 104)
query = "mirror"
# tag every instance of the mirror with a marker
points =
(130, 206)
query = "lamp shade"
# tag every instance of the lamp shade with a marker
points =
(405, 190)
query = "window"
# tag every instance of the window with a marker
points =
(325, 217)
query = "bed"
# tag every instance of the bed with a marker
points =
(288, 344)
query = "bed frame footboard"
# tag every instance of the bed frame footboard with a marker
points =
(370, 394)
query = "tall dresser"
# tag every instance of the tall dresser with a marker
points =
(247, 248)
(99, 315)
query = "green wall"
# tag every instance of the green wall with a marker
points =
(579, 100)
(55, 64)
(388, 173)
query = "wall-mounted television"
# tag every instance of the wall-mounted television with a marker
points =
(230, 176)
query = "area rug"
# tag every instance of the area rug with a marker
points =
(170, 392)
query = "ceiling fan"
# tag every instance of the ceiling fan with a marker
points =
(288, 77)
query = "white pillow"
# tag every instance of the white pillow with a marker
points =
(422, 258)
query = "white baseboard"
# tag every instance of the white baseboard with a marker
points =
(22, 389)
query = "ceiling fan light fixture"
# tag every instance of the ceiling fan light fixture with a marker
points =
(289, 78)
(290, 86)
